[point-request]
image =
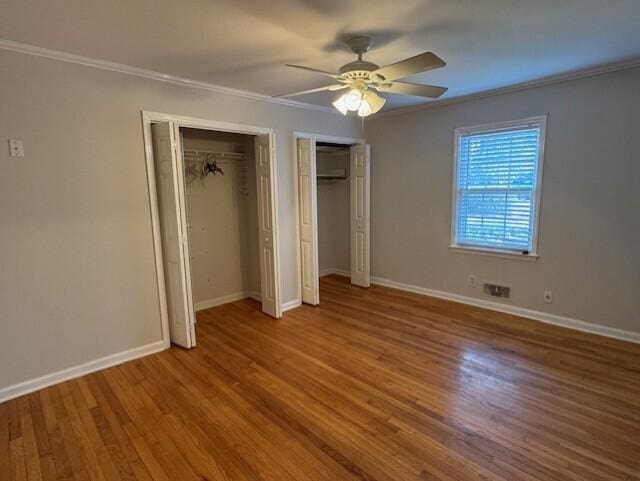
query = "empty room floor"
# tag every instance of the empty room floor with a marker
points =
(372, 385)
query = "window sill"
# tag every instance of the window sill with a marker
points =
(483, 251)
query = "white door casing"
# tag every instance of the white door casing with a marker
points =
(179, 121)
(170, 195)
(269, 270)
(308, 202)
(360, 199)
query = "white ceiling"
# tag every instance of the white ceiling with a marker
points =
(244, 44)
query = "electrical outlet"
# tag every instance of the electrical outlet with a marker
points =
(548, 298)
(471, 280)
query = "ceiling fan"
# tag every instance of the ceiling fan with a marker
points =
(362, 79)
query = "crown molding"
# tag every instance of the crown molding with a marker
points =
(541, 82)
(152, 75)
(28, 49)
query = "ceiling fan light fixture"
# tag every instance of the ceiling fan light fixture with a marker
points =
(341, 105)
(365, 109)
(371, 104)
(374, 101)
(353, 99)
(363, 102)
(360, 77)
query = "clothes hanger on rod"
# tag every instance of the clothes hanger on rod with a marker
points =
(211, 167)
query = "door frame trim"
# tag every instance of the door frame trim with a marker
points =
(318, 138)
(149, 117)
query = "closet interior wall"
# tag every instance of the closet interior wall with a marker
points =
(222, 219)
(334, 249)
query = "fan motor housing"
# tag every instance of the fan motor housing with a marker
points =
(358, 69)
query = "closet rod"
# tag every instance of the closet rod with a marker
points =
(221, 154)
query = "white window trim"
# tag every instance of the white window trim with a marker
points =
(541, 121)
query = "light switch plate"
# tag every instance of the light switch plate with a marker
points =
(16, 148)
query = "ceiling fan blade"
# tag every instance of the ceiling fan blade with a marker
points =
(313, 70)
(330, 88)
(410, 66)
(418, 90)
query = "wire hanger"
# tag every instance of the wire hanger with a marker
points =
(211, 167)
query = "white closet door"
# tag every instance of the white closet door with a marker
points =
(308, 202)
(269, 278)
(168, 167)
(360, 215)
(186, 248)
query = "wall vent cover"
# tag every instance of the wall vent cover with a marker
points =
(496, 290)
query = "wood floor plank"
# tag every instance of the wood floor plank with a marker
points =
(30, 449)
(115, 438)
(150, 462)
(371, 385)
(18, 466)
(5, 447)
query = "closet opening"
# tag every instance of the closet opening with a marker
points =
(333, 207)
(222, 216)
(213, 198)
(332, 180)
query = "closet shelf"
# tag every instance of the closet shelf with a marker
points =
(336, 174)
(215, 153)
(331, 177)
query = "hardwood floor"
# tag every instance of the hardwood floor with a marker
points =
(372, 385)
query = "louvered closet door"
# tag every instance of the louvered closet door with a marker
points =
(172, 227)
(269, 269)
(360, 216)
(308, 202)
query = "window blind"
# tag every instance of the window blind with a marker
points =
(496, 188)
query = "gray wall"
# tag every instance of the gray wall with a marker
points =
(77, 271)
(590, 215)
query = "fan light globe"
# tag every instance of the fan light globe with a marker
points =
(353, 99)
(375, 101)
(364, 109)
(367, 103)
(340, 104)
(371, 104)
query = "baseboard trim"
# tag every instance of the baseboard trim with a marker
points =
(47, 380)
(516, 311)
(287, 306)
(330, 270)
(256, 296)
(218, 301)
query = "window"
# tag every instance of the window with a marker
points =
(498, 169)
